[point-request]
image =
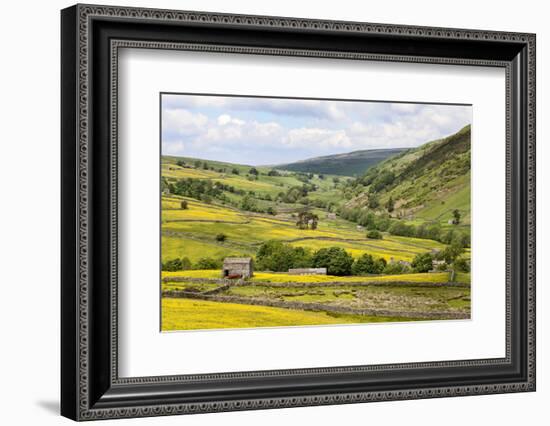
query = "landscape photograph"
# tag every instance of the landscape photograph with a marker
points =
(280, 212)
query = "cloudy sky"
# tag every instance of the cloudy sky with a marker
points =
(260, 131)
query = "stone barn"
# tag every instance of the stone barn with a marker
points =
(237, 267)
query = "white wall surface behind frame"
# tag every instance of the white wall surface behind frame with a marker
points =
(145, 351)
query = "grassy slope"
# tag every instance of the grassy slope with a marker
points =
(431, 180)
(192, 233)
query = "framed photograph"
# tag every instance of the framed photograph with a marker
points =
(263, 212)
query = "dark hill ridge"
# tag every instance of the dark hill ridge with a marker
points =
(349, 164)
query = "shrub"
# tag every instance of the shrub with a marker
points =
(373, 202)
(461, 265)
(184, 205)
(450, 253)
(366, 264)
(396, 268)
(374, 234)
(442, 267)
(422, 262)
(208, 263)
(278, 257)
(177, 264)
(248, 204)
(402, 229)
(221, 237)
(335, 259)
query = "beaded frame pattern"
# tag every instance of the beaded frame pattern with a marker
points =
(86, 12)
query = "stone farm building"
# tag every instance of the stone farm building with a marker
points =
(240, 267)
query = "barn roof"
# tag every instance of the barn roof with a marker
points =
(237, 260)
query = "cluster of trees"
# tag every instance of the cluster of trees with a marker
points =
(307, 220)
(184, 264)
(384, 223)
(451, 256)
(279, 257)
(296, 194)
(202, 189)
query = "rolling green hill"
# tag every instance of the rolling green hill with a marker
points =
(424, 183)
(349, 164)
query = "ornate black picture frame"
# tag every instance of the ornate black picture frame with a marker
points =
(91, 36)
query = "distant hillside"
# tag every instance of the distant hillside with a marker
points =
(427, 182)
(349, 164)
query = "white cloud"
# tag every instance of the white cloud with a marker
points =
(315, 138)
(173, 147)
(227, 119)
(405, 108)
(183, 122)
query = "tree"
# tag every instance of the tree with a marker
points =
(253, 171)
(374, 234)
(184, 205)
(456, 217)
(422, 262)
(177, 264)
(235, 171)
(198, 164)
(221, 237)
(363, 265)
(278, 257)
(450, 253)
(396, 268)
(248, 204)
(180, 163)
(208, 263)
(307, 220)
(314, 220)
(461, 265)
(335, 259)
(270, 210)
(273, 172)
(373, 201)
(390, 205)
